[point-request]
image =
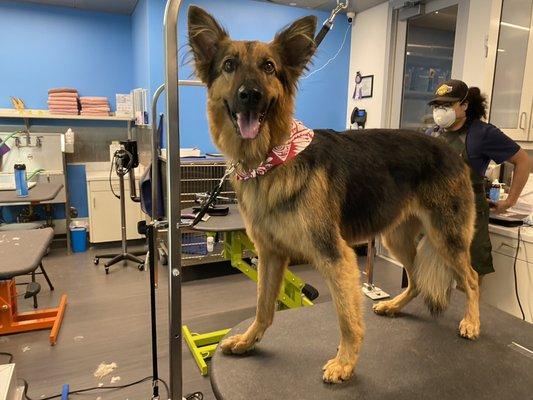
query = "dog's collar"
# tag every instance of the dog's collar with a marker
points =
(300, 138)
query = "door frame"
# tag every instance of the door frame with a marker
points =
(398, 37)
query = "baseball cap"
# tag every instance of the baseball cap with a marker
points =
(450, 92)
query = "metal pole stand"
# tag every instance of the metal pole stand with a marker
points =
(124, 256)
(369, 289)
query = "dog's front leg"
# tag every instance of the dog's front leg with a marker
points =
(342, 277)
(270, 275)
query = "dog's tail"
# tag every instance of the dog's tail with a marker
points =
(433, 276)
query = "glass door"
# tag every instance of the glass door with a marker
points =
(428, 60)
(512, 90)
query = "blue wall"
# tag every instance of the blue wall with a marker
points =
(104, 54)
(140, 44)
(46, 46)
(321, 99)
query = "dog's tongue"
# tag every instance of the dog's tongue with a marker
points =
(248, 124)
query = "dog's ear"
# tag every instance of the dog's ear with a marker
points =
(205, 35)
(296, 44)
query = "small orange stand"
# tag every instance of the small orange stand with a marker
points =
(13, 322)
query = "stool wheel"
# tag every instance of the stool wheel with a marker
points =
(106, 270)
(141, 267)
(96, 260)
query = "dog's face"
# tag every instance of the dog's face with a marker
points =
(251, 85)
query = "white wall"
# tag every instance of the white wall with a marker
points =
(370, 35)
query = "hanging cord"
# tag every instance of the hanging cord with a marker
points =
(515, 280)
(332, 58)
(2, 141)
(124, 171)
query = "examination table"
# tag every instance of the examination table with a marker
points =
(21, 253)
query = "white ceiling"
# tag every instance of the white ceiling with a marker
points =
(127, 6)
(328, 5)
(112, 6)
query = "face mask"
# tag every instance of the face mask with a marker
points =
(444, 116)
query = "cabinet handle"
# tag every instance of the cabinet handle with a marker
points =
(94, 202)
(530, 113)
(507, 245)
(521, 119)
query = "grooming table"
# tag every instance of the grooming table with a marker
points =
(21, 253)
(413, 356)
(37, 194)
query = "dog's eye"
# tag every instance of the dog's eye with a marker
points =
(229, 66)
(269, 67)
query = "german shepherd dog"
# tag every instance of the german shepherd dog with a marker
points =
(342, 189)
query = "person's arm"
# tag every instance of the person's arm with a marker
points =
(522, 168)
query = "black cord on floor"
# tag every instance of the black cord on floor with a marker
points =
(192, 396)
(2, 353)
(87, 389)
(515, 280)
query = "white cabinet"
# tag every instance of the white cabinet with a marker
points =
(498, 288)
(511, 41)
(104, 212)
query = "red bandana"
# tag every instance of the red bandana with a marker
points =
(300, 138)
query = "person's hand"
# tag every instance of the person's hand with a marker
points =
(501, 206)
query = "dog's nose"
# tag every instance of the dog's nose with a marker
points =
(249, 96)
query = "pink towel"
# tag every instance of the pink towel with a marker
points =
(64, 112)
(85, 104)
(93, 98)
(94, 113)
(62, 90)
(63, 96)
(96, 109)
(62, 103)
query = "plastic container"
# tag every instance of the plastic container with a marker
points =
(494, 193)
(78, 239)
(20, 180)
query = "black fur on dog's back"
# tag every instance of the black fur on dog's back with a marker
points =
(379, 170)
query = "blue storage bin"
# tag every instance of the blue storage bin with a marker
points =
(78, 239)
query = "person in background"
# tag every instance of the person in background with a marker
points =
(458, 112)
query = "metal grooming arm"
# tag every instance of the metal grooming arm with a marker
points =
(170, 25)
(328, 24)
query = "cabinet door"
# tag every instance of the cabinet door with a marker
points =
(105, 217)
(498, 288)
(512, 91)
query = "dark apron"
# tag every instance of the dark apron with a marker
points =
(481, 248)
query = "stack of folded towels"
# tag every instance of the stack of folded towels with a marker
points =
(63, 101)
(94, 106)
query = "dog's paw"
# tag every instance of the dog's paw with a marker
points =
(469, 329)
(336, 371)
(237, 344)
(387, 308)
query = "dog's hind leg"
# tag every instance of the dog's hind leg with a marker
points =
(342, 276)
(451, 240)
(270, 275)
(401, 243)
